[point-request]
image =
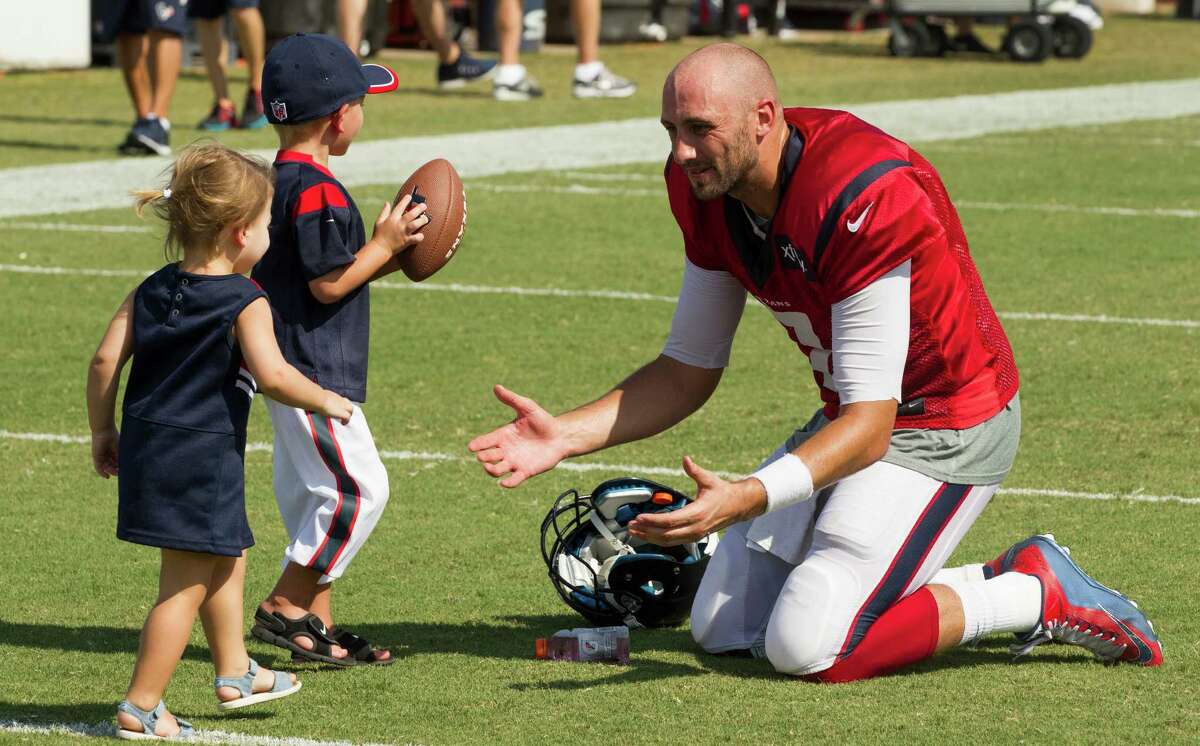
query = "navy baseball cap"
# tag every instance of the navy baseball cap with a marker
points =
(308, 76)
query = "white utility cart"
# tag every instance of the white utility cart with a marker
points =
(1036, 28)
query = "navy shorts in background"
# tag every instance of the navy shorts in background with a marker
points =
(112, 17)
(209, 9)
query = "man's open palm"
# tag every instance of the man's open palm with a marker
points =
(529, 445)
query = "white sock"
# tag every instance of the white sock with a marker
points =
(1011, 602)
(966, 574)
(509, 74)
(587, 72)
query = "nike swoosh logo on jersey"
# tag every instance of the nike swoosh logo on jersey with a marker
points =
(853, 226)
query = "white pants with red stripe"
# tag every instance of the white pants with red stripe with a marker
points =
(330, 485)
(870, 540)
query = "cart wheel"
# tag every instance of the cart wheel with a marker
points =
(1072, 37)
(1029, 41)
(911, 39)
(939, 41)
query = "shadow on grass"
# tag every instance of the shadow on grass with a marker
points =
(63, 146)
(86, 639)
(511, 638)
(93, 718)
(82, 121)
(45, 714)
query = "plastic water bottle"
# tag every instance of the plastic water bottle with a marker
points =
(609, 644)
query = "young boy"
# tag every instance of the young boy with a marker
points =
(330, 484)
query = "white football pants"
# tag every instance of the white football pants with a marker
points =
(869, 540)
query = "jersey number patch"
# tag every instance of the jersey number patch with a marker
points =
(820, 358)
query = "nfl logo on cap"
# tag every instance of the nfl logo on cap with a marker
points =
(279, 109)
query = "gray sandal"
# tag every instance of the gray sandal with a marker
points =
(245, 684)
(149, 721)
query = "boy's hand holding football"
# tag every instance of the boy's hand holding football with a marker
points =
(398, 228)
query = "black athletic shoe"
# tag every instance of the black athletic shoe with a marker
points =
(466, 69)
(147, 137)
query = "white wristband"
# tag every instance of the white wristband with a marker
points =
(787, 481)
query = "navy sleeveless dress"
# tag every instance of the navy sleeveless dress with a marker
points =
(187, 401)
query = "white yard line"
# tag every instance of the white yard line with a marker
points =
(76, 227)
(108, 730)
(454, 287)
(588, 466)
(585, 190)
(1077, 137)
(73, 187)
(1125, 212)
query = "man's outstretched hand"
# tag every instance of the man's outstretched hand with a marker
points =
(529, 445)
(718, 504)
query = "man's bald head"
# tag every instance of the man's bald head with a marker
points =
(721, 108)
(730, 74)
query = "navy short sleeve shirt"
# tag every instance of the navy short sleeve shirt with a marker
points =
(315, 229)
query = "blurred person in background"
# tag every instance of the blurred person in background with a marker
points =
(149, 50)
(510, 80)
(350, 18)
(209, 17)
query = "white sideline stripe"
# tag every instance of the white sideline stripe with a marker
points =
(568, 189)
(454, 287)
(1092, 139)
(29, 269)
(109, 730)
(585, 190)
(78, 227)
(1102, 319)
(1127, 212)
(640, 469)
(582, 189)
(73, 187)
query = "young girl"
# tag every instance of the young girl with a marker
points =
(193, 328)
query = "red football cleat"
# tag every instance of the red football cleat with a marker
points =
(1076, 609)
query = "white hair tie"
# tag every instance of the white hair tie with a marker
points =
(167, 193)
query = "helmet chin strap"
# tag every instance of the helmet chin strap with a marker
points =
(617, 545)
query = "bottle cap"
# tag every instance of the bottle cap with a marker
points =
(541, 648)
(662, 498)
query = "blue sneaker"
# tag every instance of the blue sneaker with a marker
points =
(1076, 609)
(219, 119)
(147, 137)
(466, 69)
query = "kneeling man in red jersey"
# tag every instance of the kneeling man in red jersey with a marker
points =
(831, 565)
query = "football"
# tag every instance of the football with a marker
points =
(438, 186)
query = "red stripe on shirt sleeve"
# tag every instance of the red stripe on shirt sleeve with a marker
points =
(318, 197)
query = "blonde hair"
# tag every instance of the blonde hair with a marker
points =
(209, 188)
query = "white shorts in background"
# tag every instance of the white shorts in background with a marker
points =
(330, 485)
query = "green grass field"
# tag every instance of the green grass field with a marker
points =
(452, 578)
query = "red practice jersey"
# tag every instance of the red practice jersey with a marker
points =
(856, 204)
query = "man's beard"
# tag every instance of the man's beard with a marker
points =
(730, 173)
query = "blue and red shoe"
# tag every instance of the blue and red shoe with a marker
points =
(1076, 609)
